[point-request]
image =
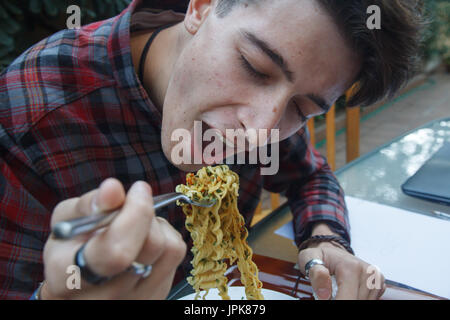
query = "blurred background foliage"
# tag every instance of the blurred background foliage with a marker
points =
(25, 22)
(437, 34)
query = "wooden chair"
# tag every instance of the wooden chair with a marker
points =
(352, 147)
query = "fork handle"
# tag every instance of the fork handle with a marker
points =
(71, 228)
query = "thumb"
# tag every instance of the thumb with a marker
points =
(110, 195)
(319, 275)
(321, 281)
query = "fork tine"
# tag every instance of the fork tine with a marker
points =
(206, 204)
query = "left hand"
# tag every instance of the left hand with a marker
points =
(356, 279)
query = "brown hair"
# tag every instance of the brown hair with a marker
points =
(389, 55)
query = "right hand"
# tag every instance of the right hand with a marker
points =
(136, 234)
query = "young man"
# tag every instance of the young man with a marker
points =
(98, 106)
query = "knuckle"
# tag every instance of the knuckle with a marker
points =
(143, 207)
(156, 244)
(174, 246)
(176, 249)
(119, 259)
(181, 249)
(349, 268)
(355, 266)
(306, 254)
(318, 272)
(61, 208)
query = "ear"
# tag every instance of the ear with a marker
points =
(197, 12)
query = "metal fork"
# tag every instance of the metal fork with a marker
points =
(71, 228)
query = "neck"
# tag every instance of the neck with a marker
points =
(160, 60)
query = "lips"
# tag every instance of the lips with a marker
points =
(221, 144)
(216, 155)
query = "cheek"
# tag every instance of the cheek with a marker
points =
(200, 83)
(290, 123)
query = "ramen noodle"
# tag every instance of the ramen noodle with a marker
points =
(219, 234)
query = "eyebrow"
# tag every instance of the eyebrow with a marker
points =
(271, 53)
(281, 62)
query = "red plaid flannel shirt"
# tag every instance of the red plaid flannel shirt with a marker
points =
(73, 113)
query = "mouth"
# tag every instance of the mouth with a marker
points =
(215, 145)
(217, 154)
(222, 137)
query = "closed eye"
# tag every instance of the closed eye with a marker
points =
(251, 70)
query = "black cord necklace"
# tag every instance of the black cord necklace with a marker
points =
(145, 51)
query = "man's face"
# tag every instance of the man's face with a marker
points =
(268, 66)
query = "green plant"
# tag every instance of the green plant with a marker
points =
(443, 39)
(25, 22)
(437, 33)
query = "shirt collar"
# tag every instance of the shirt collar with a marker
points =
(119, 52)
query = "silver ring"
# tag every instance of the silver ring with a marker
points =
(86, 272)
(310, 264)
(140, 269)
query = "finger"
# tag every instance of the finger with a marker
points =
(381, 293)
(114, 250)
(117, 287)
(155, 243)
(373, 294)
(109, 196)
(158, 284)
(371, 283)
(319, 275)
(321, 282)
(60, 280)
(59, 255)
(348, 280)
(365, 288)
(378, 286)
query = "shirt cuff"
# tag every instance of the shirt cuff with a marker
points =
(35, 295)
(333, 217)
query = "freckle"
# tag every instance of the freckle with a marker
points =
(274, 110)
(193, 59)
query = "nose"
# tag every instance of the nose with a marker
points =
(262, 117)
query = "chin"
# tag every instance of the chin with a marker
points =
(195, 167)
(188, 167)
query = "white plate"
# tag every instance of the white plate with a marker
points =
(238, 293)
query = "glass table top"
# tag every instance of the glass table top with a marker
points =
(379, 175)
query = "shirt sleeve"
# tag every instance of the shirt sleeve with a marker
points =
(313, 192)
(24, 222)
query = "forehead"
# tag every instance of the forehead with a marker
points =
(305, 35)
